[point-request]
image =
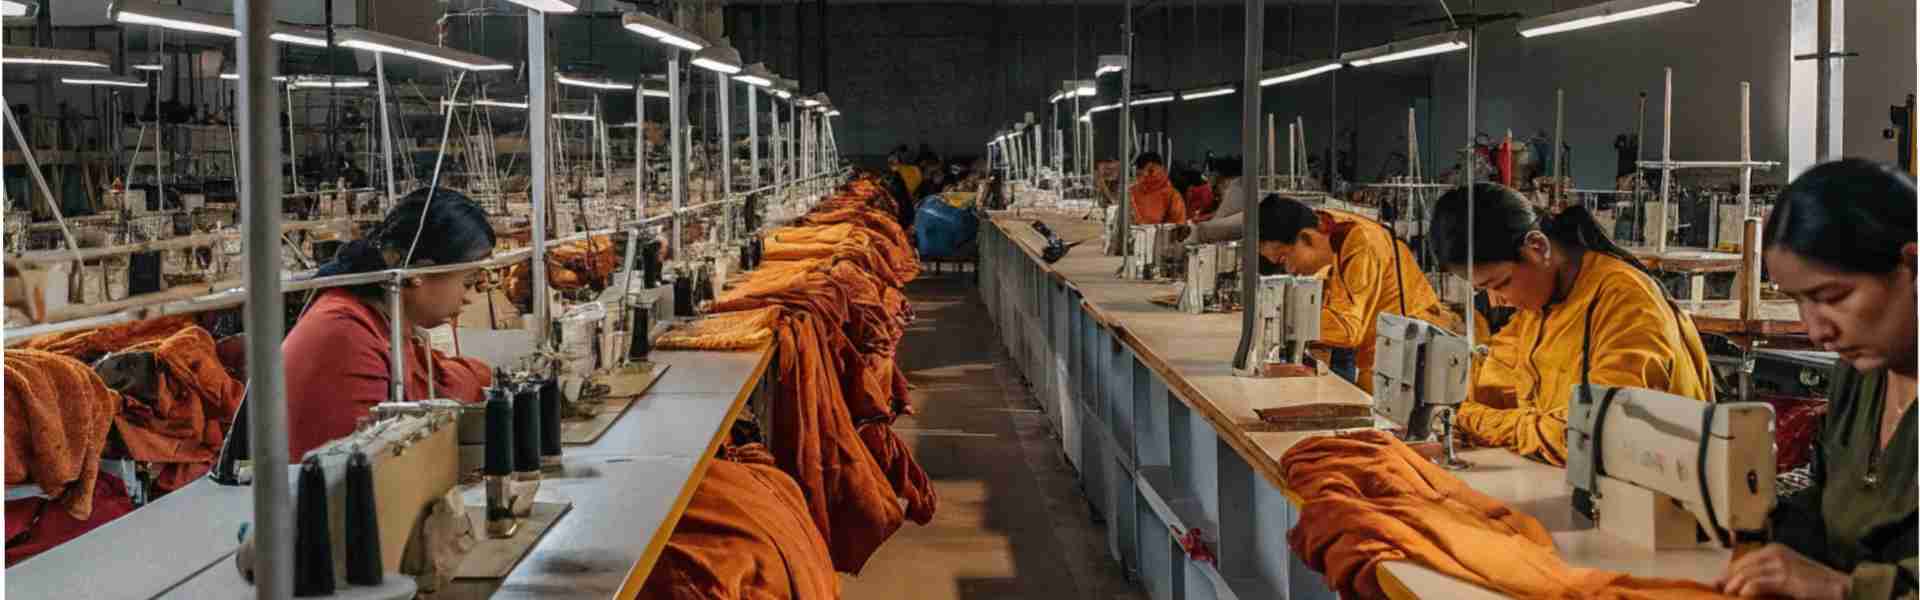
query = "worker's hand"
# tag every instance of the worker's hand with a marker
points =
(1776, 570)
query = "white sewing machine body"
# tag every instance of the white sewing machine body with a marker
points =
(1212, 278)
(1287, 319)
(1643, 457)
(1418, 367)
(1152, 253)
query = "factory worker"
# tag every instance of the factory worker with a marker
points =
(908, 173)
(1583, 305)
(1370, 273)
(1153, 197)
(337, 353)
(1841, 243)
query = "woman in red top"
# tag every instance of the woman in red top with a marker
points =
(336, 356)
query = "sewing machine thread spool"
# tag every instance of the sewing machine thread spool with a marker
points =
(746, 256)
(235, 464)
(549, 424)
(364, 566)
(639, 339)
(312, 538)
(683, 295)
(650, 264)
(526, 431)
(143, 272)
(499, 463)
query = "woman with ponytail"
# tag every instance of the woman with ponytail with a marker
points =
(337, 353)
(1585, 308)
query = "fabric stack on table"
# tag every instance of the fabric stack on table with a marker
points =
(829, 297)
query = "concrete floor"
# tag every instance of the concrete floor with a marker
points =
(1012, 522)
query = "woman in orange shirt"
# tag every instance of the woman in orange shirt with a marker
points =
(337, 354)
(1153, 197)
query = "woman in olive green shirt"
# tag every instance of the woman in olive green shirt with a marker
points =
(1841, 243)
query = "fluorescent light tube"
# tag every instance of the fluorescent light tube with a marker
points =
(10, 8)
(549, 6)
(104, 81)
(1154, 99)
(337, 83)
(1299, 72)
(148, 67)
(299, 35)
(661, 31)
(573, 116)
(1598, 14)
(1425, 45)
(500, 104)
(654, 93)
(372, 41)
(598, 84)
(236, 77)
(58, 57)
(1209, 93)
(175, 18)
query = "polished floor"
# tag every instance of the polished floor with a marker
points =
(1012, 522)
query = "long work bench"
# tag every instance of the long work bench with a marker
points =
(628, 490)
(1168, 444)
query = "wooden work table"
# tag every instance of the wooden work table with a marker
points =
(1057, 320)
(628, 490)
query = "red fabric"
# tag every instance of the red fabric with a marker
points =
(27, 538)
(336, 370)
(1796, 420)
(1201, 202)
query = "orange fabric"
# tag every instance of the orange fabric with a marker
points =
(91, 344)
(1155, 201)
(1367, 498)
(908, 479)
(570, 266)
(180, 429)
(58, 413)
(745, 535)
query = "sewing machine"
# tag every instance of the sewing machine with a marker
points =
(1287, 319)
(1152, 253)
(1657, 467)
(1212, 278)
(1420, 373)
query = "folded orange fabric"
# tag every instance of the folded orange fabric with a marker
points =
(91, 344)
(745, 535)
(58, 413)
(181, 428)
(1367, 498)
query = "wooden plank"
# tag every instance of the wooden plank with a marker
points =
(626, 387)
(493, 558)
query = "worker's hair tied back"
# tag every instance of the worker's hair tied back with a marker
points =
(1575, 225)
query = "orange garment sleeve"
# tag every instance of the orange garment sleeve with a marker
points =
(1346, 319)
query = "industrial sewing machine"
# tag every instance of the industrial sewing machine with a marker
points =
(1420, 373)
(1287, 319)
(1654, 469)
(1212, 278)
(1152, 253)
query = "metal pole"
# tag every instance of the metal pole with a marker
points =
(1473, 106)
(1746, 151)
(386, 129)
(723, 99)
(1666, 155)
(1125, 216)
(397, 342)
(639, 150)
(1250, 186)
(264, 314)
(539, 161)
(753, 133)
(677, 122)
(1559, 130)
(606, 154)
(39, 180)
(293, 152)
(1828, 125)
(1273, 170)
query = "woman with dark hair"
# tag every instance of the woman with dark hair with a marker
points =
(336, 355)
(1585, 309)
(1841, 243)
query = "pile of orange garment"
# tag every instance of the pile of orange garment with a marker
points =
(181, 428)
(91, 344)
(845, 241)
(836, 325)
(570, 266)
(1367, 498)
(745, 534)
(58, 413)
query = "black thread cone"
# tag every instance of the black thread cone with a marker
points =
(312, 541)
(526, 428)
(650, 263)
(499, 432)
(364, 565)
(226, 470)
(683, 295)
(641, 343)
(549, 417)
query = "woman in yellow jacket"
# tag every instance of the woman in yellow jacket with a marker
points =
(1580, 300)
(1371, 273)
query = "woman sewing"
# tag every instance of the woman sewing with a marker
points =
(336, 355)
(1841, 243)
(1585, 310)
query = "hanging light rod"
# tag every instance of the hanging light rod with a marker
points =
(141, 12)
(1299, 71)
(1110, 63)
(756, 75)
(148, 67)
(1426, 45)
(654, 92)
(58, 57)
(500, 104)
(299, 35)
(373, 41)
(105, 80)
(573, 116)
(236, 77)
(1147, 99)
(661, 31)
(549, 6)
(310, 82)
(1207, 92)
(598, 84)
(1598, 14)
(722, 59)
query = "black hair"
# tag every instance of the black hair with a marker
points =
(1226, 167)
(455, 231)
(1851, 214)
(1282, 219)
(1502, 218)
(1148, 158)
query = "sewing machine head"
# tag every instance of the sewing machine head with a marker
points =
(1153, 254)
(1648, 460)
(1287, 319)
(1211, 278)
(1418, 367)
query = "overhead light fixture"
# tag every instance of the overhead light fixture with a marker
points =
(309, 82)
(299, 35)
(105, 80)
(1426, 45)
(57, 57)
(11, 8)
(148, 67)
(141, 12)
(236, 77)
(654, 92)
(833, 113)
(805, 102)
(1110, 63)
(756, 75)
(549, 6)
(1598, 14)
(661, 31)
(1085, 88)
(722, 59)
(373, 41)
(1056, 97)
(598, 84)
(500, 104)
(1299, 71)
(1153, 99)
(1206, 92)
(573, 116)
